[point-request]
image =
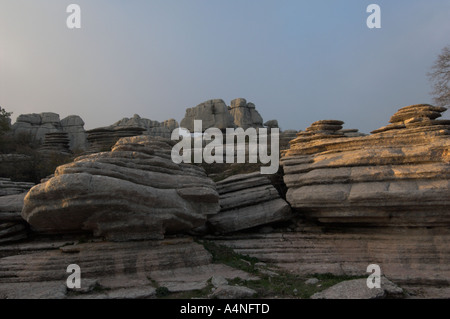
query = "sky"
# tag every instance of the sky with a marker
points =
(298, 61)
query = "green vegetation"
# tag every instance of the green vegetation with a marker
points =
(273, 282)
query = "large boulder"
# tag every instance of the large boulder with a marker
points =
(399, 175)
(247, 201)
(213, 113)
(133, 192)
(245, 115)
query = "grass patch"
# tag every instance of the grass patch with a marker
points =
(282, 285)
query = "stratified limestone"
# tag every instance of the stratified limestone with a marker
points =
(56, 143)
(152, 128)
(133, 192)
(394, 177)
(8, 187)
(12, 226)
(247, 201)
(103, 138)
(108, 270)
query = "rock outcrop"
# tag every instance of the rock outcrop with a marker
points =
(36, 126)
(12, 226)
(213, 113)
(8, 187)
(397, 176)
(56, 143)
(103, 138)
(247, 201)
(109, 270)
(152, 128)
(73, 125)
(133, 192)
(245, 114)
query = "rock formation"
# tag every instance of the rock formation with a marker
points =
(133, 192)
(245, 114)
(396, 176)
(56, 142)
(74, 127)
(129, 270)
(153, 128)
(8, 187)
(12, 226)
(247, 201)
(213, 113)
(103, 138)
(38, 125)
(286, 137)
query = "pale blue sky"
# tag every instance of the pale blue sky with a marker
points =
(298, 61)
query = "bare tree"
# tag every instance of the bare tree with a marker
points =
(440, 78)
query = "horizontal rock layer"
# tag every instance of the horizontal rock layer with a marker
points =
(247, 201)
(12, 226)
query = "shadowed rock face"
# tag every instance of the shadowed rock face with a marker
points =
(133, 192)
(397, 176)
(246, 201)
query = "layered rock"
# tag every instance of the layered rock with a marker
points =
(397, 176)
(285, 137)
(247, 201)
(103, 138)
(8, 187)
(73, 125)
(12, 226)
(133, 192)
(56, 142)
(213, 113)
(245, 114)
(109, 270)
(36, 126)
(153, 128)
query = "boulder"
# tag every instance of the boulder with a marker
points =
(247, 201)
(357, 289)
(271, 124)
(133, 192)
(213, 113)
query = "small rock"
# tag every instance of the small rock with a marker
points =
(218, 281)
(312, 281)
(233, 292)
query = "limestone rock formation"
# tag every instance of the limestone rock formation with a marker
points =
(109, 270)
(285, 137)
(8, 187)
(271, 124)
(103, 138)
(73, 125)
(397, 176)
(153, 128)
(245, 114)
(12, 226)
(213, 113)
(247, 201)
(56, 142)
(133, 192)
(38, 125)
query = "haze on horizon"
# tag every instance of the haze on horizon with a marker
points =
(298, 61)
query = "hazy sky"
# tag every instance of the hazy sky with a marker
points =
(298, 61)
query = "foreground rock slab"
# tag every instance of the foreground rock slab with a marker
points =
(133, 192)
